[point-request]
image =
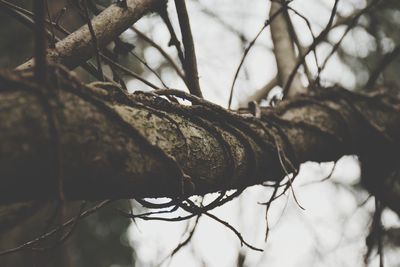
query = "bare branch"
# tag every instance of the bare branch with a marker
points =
(40, 41)
(284, 53)
(268, 22)
(109, 24)
(163, 12)
(296, 41)
(323, 35)
(162, 52)
(190, 61)
(73, 221)
(351, 23)
(94, 40)
(383, 63)
(127, 71)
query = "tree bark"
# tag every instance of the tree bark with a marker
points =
(145, 146)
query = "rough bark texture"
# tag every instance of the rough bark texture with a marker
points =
(115, 149)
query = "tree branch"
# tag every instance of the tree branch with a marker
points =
(190, 61)
(40, 42)
(284, 52)
(162, 52)
(121, 146)
(77, 48)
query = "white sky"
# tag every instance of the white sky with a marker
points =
(331, 230)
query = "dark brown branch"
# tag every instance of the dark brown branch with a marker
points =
(384, 62)
(94, 40)
(190, 61)
(122, 133)
(53, 35)
(236, 232)
(163, 12)
(40, 41)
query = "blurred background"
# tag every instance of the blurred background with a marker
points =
(333, 228)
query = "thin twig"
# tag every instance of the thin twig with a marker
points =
(247, 50)
(163, 12)
(187, 240)
(236, 232)
(350, 26)
(28, 244)
(317, 40)
(40, 42)
(127, 71)
(162, 52)
(268, 205)
(308, 24)
(53, 36)
(66, 235)
(184, 242)
(149, 68)
(296, 41)
(94, 39)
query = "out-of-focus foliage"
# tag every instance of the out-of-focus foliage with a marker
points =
(381, 25)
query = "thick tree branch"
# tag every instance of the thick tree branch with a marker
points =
(120, 146)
